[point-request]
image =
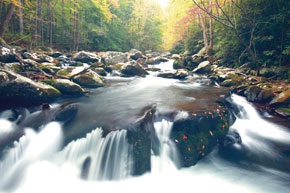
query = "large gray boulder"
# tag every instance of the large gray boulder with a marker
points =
(112, 58)
(85, 57)
(133, 68)
(66, 86)
(89, 79)
(15, 88)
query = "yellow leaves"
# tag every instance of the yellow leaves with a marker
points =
(104, 7)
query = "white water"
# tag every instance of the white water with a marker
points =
(37, 166)
(109, 157)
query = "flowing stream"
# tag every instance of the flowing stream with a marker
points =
(38, 163)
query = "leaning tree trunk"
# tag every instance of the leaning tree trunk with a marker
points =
(7, 19)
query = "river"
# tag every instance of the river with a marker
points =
(39, 163)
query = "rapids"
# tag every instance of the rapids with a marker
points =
(38, 163)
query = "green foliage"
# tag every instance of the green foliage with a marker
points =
(178, 48)
(88, 24)
(264, 26)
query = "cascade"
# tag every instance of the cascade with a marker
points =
(99, 158)
(168, 159)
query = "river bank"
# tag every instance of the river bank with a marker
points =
(29, 78)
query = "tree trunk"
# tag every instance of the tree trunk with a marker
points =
(75, 30)
(7, 19)
(20, 17)
(204, 29)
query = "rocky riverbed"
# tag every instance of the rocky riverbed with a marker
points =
(29, 79)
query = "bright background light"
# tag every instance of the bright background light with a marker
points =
(163, 3)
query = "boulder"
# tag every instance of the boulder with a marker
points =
(133, 69)
(157, 60)
(15, 88)
(66, 86)
(85, 57)
(178, 74)
(90, 79)
(203, 68)
(44, 58)
(112, 58)
(282, 99)
(31, 56)
(6, 55)
(252, 93)
(197, 135)
(136, 54)
(142, 137)
(176, 56)
(100, 71)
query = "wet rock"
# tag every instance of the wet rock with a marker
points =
(142, 137)
(133, 69)
(282, 98)
(62, 113)
(284, 112)
(49, 68)
(6, 55)
(266, 95)
(66, 86)
(31, 56)
(197, 135)
(85, 57)
(44, 58)
(176, 56)
(100, 71)
(90, 79)
(86, 168)
(178, 74)
(157, 60)
(136, 54)
(17, 89)
(252, 93)
(112, 58)
(203, 68)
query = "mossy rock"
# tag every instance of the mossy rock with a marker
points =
(65, 72)
(282, 99)
(197, 135)
(253, 92)
(65, 86)
(17, 89)
(283, 111)
(90, 79)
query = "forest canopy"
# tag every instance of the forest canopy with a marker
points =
(83, 24)
(232, 31)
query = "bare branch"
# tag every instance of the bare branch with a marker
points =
(218, 19)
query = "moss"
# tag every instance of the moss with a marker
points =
(236, 78)
(16, 68)
(48, 81)
(285, 110)
(65, 72)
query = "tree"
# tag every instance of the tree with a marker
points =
(7, 19)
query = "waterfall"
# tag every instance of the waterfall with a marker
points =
(31, 148)
(258, 135)
(99, 158)
(168, 158)
(104, 163)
